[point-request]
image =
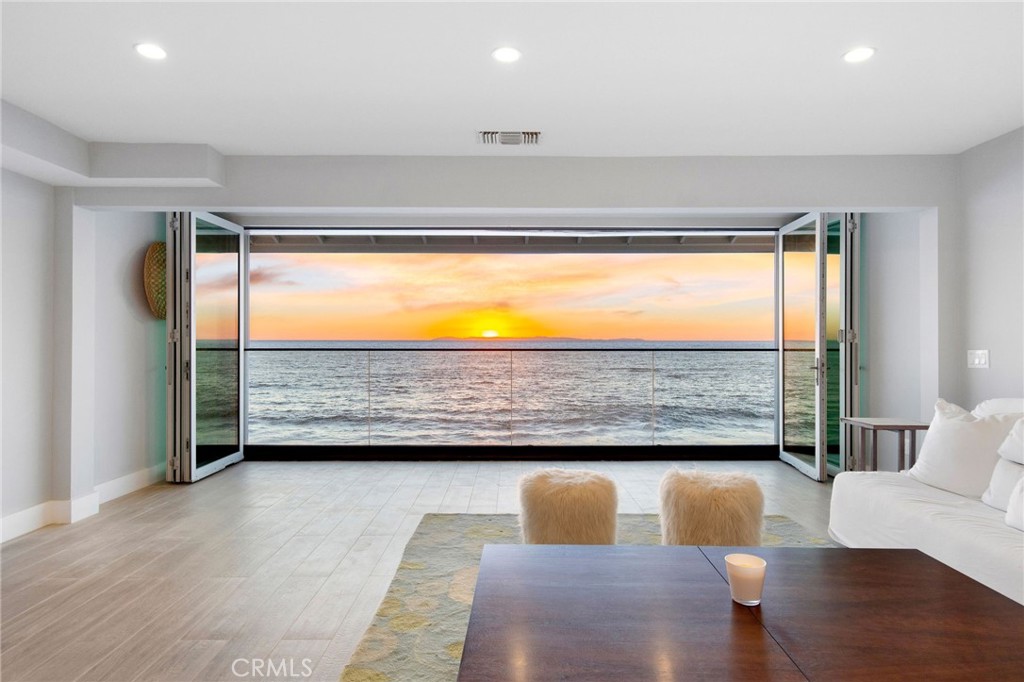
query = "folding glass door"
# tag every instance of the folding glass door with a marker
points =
(205, 295)
(817, 341)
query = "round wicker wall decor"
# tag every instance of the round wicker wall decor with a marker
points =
(154, 277)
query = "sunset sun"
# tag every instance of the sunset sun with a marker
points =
(490, 334)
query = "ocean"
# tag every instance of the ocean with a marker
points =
(500, 392)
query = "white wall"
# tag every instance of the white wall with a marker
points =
(889, 329)
(45, 478)
(28, 275)
(991, 308)
(986, 257)
(129, 351)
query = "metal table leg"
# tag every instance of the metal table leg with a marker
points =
(862, 464)
(874, 450)
(901, 463)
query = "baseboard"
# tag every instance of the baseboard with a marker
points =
(47, 513)
(27, 520)
(69, 511)
(111, 490)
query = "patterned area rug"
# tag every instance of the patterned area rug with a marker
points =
(419, 629)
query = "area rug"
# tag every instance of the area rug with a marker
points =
(418, 632)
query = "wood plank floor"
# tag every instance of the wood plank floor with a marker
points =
(265, 560)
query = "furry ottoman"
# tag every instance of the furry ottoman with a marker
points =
(567, 507)
(708, 508)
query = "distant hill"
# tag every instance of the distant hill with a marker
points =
(524, 338)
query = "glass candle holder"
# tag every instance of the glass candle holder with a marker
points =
(746, 578)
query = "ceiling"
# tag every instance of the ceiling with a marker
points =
(597, 79)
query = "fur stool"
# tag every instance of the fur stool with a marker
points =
(567, 507)
(708, 508)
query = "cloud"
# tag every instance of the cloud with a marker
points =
(266, 277)
(271, 275)
(228, 282)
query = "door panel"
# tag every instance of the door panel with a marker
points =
(817, 341)
(802, 382)
(205, 389)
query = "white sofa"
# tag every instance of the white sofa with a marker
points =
(892, 510)
(900, 510)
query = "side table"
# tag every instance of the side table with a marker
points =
(902, 427)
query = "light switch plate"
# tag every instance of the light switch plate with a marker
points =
(977, 359)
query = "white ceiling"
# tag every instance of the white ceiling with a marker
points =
(598, 79)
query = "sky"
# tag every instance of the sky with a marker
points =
(801, 292)
(587, 296)
(372, 296)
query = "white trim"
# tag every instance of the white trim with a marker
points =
(47, 513)
(111, 490)
(69, 511)
(27, 520)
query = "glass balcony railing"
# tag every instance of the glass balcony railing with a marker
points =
(495, 396)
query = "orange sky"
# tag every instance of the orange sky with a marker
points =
(346, 296)
(216, 296)
(799, 313)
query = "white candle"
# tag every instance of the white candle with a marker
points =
(746, 577)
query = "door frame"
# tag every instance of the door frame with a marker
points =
(849, 338)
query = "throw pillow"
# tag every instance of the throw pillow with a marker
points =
(987, 408)
(1013, 447)
(1015, 510)
(1009, 469)
(959, 451)
(1004, 478)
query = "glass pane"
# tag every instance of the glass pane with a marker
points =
(307, 397)
(216, 380)
(439, 397)
(582, 397)
(799, 322)
(714, 397)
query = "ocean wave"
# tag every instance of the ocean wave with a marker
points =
(557, 397)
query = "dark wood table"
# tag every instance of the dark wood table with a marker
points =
(571, 612)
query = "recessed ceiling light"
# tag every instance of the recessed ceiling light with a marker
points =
(507, 55)
(859, 54)
(151, 51)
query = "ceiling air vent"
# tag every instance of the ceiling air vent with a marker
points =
(508, 136)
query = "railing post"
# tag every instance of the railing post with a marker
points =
(653, 410)
(510, 408)
(369, 436)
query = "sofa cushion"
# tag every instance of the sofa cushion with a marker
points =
(960, 449)
(892, 510)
